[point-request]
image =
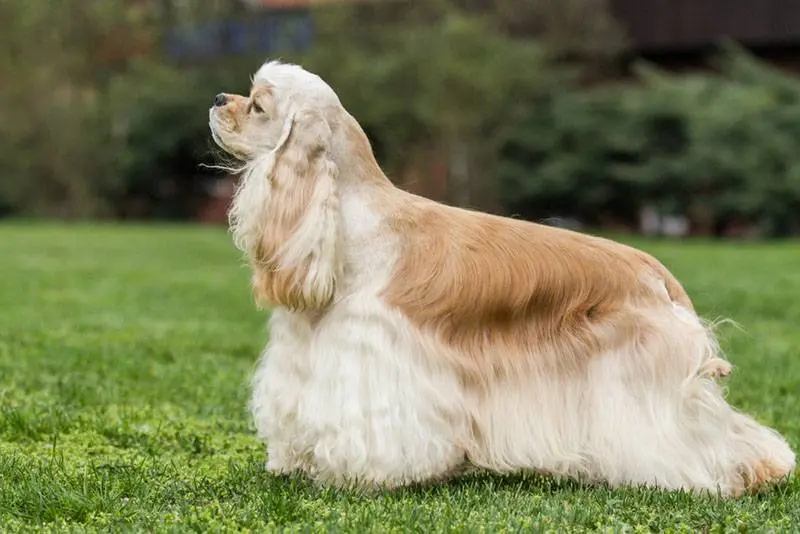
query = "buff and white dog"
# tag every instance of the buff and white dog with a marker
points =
(409, 339)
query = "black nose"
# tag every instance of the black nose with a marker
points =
(220, 100)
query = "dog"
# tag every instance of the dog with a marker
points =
(410, 339)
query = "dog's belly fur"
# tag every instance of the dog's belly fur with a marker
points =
(360, 398)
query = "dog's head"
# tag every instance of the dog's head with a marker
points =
(284, 101)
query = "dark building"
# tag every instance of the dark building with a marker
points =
(682, 34)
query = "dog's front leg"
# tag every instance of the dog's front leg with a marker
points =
(279, 383)
(379, 414)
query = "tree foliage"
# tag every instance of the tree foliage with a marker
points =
(446, 74)
(414, 85)
(717, 147)
(53, 130)
(96, 122)
(120, 127)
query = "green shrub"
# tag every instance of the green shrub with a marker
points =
(723, 146)
(90, 131)
(162, 139)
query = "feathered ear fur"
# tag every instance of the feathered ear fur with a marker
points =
(285, 216)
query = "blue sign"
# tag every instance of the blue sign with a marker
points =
(264, 34)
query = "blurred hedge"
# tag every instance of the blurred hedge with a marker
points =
(160, 118)
(95, 123)
(89, 136)
(430, 80)
(720, 148)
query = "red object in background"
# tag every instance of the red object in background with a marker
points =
(215, 209)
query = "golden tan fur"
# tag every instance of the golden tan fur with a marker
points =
(556, 291)
(299, 167)
(273, 284)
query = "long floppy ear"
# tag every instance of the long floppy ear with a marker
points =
(296, 259)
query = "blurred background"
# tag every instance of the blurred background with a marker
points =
(660, 117)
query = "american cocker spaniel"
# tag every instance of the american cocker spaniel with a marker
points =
(409, 339)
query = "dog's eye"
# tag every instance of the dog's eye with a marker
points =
(255, 107)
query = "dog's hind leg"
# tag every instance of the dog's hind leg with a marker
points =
(660, 417)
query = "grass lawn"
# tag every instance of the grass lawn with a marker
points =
(125, 354)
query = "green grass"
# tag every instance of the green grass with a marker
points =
(125, 354)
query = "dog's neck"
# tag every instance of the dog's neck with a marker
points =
(367, 199)
(353, 153)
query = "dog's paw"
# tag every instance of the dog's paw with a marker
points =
(716, 368)
(721, 369)
(765, 473)
(283, 462)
